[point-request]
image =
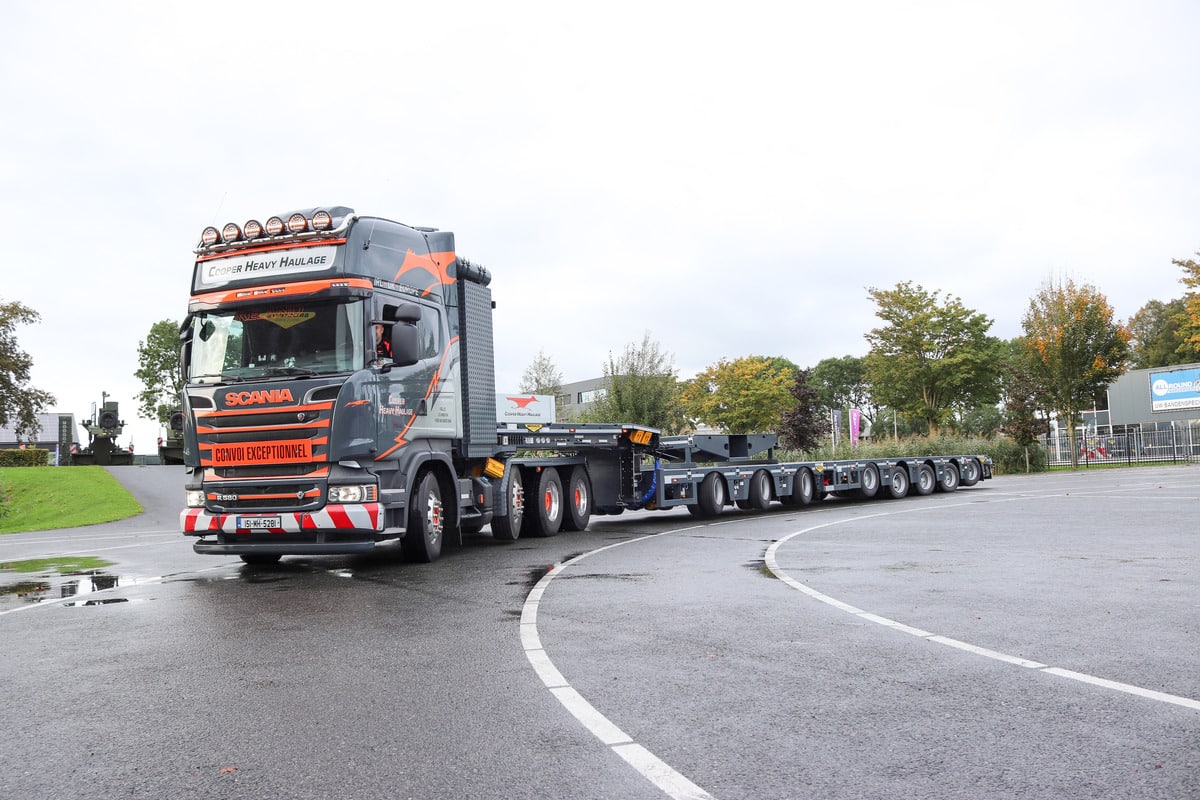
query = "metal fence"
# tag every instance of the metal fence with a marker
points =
(1139, 447)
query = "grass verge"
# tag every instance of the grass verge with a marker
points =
(46, 498)
(59, 564)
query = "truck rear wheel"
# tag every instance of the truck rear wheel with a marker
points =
(804, 487)
(970, 472)
(579, 500)
(926, 480)
(897, 485)
(507, 528)
(759, 495)
(950, 477)
(711, 497)
(868, 482)
(549, 496)
(426, 522)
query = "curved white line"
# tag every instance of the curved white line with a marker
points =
(773, 565)
(650, 766)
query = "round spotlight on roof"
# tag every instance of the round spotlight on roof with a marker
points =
(253, 229)
(231, 232)
(210, 236)
(322, 221)
(297, 223)
(274, 226)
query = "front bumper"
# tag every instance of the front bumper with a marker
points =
(334, 529)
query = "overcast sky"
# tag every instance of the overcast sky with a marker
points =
(728, 177)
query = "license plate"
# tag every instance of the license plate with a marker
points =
(258, 523)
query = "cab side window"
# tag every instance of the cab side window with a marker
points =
(429, 327)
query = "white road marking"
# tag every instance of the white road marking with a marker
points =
(650, 766)
(773, 565)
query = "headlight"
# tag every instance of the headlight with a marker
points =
(193, 498)
(352, 494)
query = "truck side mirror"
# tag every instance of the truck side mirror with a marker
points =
(406, 338)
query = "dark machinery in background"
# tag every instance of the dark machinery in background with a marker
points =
(103, 428)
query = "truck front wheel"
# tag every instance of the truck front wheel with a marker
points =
(426, 522)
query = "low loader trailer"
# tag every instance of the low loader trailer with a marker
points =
(339, 395)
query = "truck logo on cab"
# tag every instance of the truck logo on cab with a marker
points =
(258, 397)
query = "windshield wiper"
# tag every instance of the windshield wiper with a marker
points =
(291, 371)
(219, 376)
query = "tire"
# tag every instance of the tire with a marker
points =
(579, 500)
(426, 522)
(869, 482)
(260, 559)
(548, 495)
(711, 497)
(508, 528)
(897, 485)
(971, 472)
(926, 480)
(759, 496)
(950, 478)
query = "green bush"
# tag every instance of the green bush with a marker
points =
(1007, 456)
(29, 457)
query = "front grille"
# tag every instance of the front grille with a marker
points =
(247, 497)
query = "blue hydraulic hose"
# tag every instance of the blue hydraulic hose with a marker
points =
(649, 495)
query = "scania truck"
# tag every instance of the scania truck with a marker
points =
(340, 395)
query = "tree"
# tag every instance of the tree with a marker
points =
(160, 372)
(841, 384)
(931, 356)
(806, 423)
(1023, 419)
(1189, 321)
(1156, 341)
(1075, 349)
(641, 388)
(541, 377)
(747, 395)
(19, 402)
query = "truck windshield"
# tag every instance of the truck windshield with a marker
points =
(247, 343)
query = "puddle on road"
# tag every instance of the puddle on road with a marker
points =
(52, 586)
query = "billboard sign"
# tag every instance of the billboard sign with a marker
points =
(1175, 390)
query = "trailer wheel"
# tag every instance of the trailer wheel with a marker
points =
(926, 480)
(868, 483)
(898, 482)
(549, 496)
(759, 495)
(579, 500)
(970, 472)
(426, 522)
(508, 527)
(950, 477)
(711, 497)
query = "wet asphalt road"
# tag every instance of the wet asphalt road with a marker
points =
(1026, 637)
